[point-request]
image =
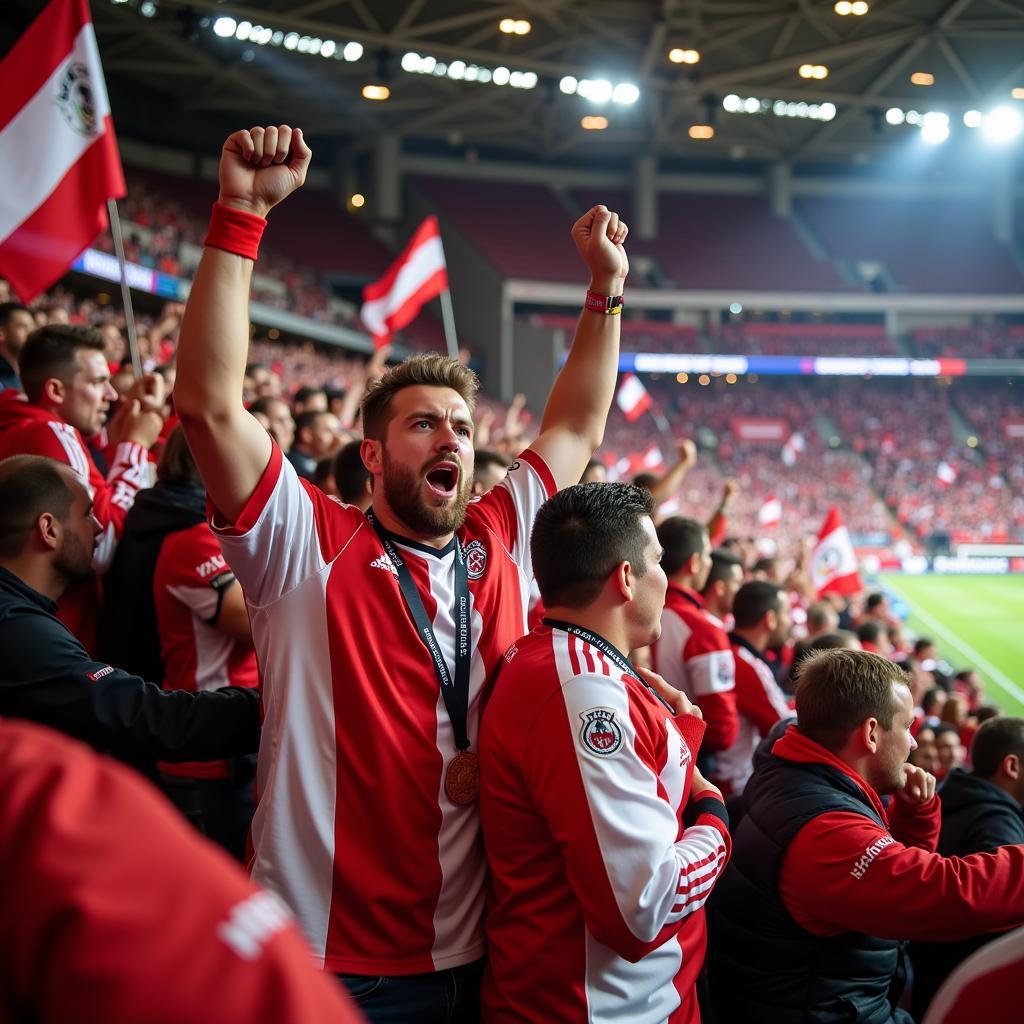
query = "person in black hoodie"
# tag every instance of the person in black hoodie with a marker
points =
(128, 634)
(981, 811)
(47, 537)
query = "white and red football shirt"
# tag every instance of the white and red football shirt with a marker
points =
(189, 583)
(353, 827)
(693, 655)
(760, 703)
(597, 887)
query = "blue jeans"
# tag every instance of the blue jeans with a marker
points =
(451, 996)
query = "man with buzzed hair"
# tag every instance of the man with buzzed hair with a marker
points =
(826, 882)
(48, 531)
(378, 635)
(67, 385)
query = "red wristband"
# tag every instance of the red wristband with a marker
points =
(235, 231)
(608, 304)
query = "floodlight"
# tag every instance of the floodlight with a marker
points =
(1001, 125)
(935, 127)
(568, 85)
(224, 27)
(973, 118)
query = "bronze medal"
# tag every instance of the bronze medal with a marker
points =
(462, 779)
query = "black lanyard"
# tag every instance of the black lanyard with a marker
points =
(455, 692)
(609, 651)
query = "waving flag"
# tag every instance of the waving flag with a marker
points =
(632, 397)
(770, 512)
(57, 148)
(416, 277)
(833, 562)
(946, 474)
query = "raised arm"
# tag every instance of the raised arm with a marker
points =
(574, 418)
(258, 169)
(667, 486)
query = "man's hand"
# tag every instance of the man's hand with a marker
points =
(687, 452)
(675, 699)
(262, 166)
(918, 786)
(729, 492)
(136, 423)
(699, 786)
(599, 235)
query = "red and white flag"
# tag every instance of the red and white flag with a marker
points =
(833, 563)
(416, 277)
(770, 512)
(653, 460)
(632, 397)
(946, 473)
(792, 448)
(57, 148)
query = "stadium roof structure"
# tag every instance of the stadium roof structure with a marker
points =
(459, 83)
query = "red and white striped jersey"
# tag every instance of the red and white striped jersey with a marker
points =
(760, 703)
(693, 655)
(597, 885)
(27, 429)
(189, 583)
(353, 827)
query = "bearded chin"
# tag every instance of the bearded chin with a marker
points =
(402, 491)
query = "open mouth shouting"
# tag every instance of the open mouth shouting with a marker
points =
(443, 480)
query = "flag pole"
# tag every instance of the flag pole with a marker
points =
(448, 316)
(126, 296)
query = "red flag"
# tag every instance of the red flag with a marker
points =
(833, 562)
(416, 277)
(770, 512)
(57, 148)
(946, 474)
(632, 397)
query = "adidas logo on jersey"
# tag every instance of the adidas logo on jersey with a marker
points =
(383, 562)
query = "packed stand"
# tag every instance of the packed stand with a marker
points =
(574, 816)
(998, 341)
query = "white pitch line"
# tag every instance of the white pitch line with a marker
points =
(998, 677)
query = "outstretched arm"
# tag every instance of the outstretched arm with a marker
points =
(667, 486)
(573, 424)
(258, 169)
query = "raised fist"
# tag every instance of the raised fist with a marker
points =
(599, 235)
(687, 452)
(262, 166)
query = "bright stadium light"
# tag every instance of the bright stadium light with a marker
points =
(732, 103)
(935, 127)
(568, 85)
(243, 30)
(1001, 125)
(352, 51)
(625, 93)
(597, 90)
(894, 116)
(224, 27)
(973, 119)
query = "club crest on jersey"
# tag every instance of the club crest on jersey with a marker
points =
(476, 559)
(601, 734)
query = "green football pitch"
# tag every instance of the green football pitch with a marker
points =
(976, 621)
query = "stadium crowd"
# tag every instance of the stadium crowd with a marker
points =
(280, 585)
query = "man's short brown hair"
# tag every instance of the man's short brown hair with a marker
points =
(432, 370)
(52, 351)
(29, 486)
(839, 689)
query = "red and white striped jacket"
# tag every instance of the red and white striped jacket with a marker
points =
(600, 864)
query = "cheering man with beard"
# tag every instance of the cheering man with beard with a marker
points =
(378, 634)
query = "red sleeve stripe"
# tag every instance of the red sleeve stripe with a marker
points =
(257, 502)
(540, 467)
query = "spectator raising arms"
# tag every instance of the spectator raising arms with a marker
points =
(378, 635)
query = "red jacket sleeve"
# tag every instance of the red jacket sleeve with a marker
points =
(113, 910)
(842, 872)
(760, 700)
